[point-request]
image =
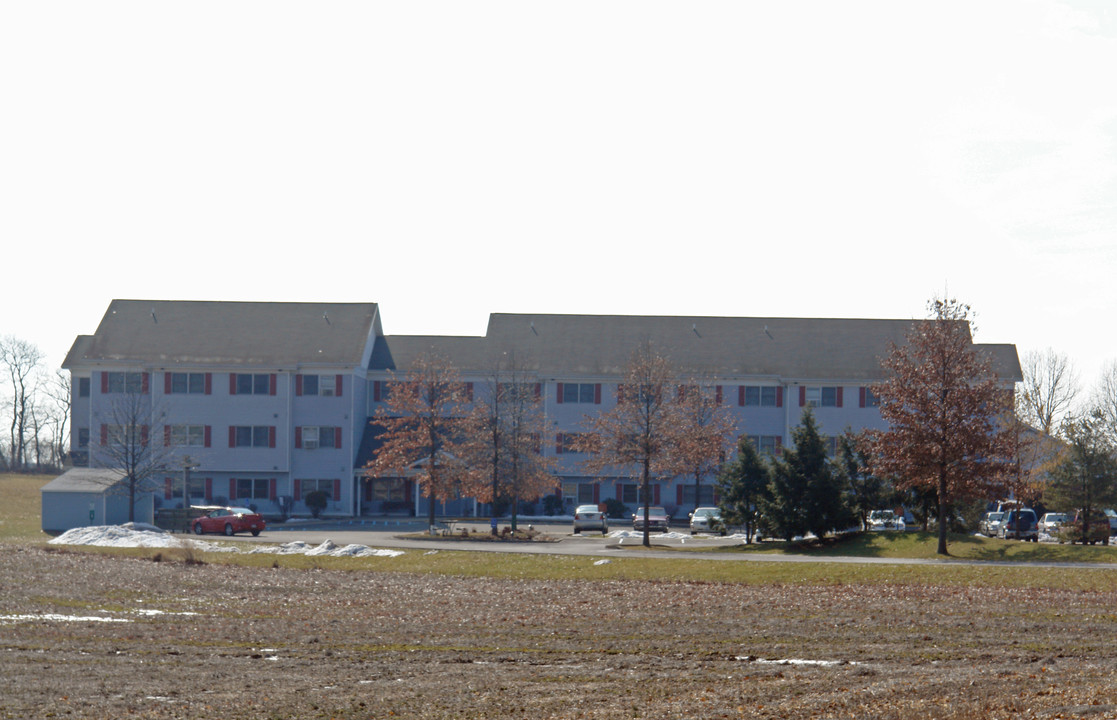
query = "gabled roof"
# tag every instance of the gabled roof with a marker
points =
(254, 334)
(556, 346)
(87, 480)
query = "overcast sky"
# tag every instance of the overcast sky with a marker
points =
(451, 159)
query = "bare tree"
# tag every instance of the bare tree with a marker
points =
(425, 426)
(942, 404)
(1048, 391)
(124, 444)
(56, 390)
(705, 432)
(505, 450)
(1104, 400)
(21, 360)
(641, 433)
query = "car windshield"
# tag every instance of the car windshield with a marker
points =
(652, 511)
(586, 509)
(882, 515)
(706, 512)
(995, 516)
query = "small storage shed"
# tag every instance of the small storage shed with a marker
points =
(82, 497)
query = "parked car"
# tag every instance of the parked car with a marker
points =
(1111, 515)
(657, 519)
(228, 520)
(1050, 522)
(885, 520)
(589, 517)
(1019, 524)
(990, 525)
(707, 520)
(1097, 529)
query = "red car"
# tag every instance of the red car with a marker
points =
(228, 520)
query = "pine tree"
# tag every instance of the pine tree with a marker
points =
(741, 483)
(866, 491)
(805, 494)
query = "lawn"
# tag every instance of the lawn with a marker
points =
(20, 517)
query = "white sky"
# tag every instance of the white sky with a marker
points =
(452, 159)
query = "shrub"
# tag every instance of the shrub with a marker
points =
(552, 505)
(616, 509)
(316, 501)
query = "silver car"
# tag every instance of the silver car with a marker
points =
(706, 520)
(589, 517)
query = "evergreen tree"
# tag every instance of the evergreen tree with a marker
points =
(865, 491)
(1086, 477)
(804, 494)
(741, 483)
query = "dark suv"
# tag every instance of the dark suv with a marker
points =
(1020, 524)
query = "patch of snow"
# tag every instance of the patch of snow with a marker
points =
(603, 562)
(121, 536)
(794, 661)
(61, 618)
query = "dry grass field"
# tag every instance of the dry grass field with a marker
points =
(88, 633)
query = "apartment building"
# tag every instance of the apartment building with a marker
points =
(261, 403)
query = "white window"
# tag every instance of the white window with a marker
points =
(188, 435)
(579, 393)
(188, 383)
(308, 486)
(324, 385)
(760, 396)
(254, 488)
(125, 382)
(767, 444)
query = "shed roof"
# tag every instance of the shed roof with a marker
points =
(85, 480)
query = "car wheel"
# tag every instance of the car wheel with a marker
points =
(228, 529)
(197, 528)
(577, 530)
(255, 533)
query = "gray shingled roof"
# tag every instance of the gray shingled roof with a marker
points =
(81, 479)
(601, 345)
(259, 334)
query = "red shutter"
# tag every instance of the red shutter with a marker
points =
(337, 489)
(597, 393)
(840, 388)
(558, 396)
(271, 489)
(209, 383)
(298, 386)
(337, 438)
(376, 391)
(232, 383)
(298, 437)
(232, 436)
(209, 490)
(232, 489)
(166, 436)
(166, 383)
(104, 383)
(143, 435)
(596, 493)
(861, 396)
(469, 391)
(679, 494)
(802, 395)
(558, 443)
(655, 494)
(337, 388)
(779, 396)
(779, 445)
(168, 489)
(145, 383)
(208, 436)
(740, 396)
(298, 490)
(271, 436)
(272, 384)
(717, 394)
(538, 390)
(104, 434)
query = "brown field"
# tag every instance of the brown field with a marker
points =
(222, 641)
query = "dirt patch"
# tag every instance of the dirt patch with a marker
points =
(90, 635)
